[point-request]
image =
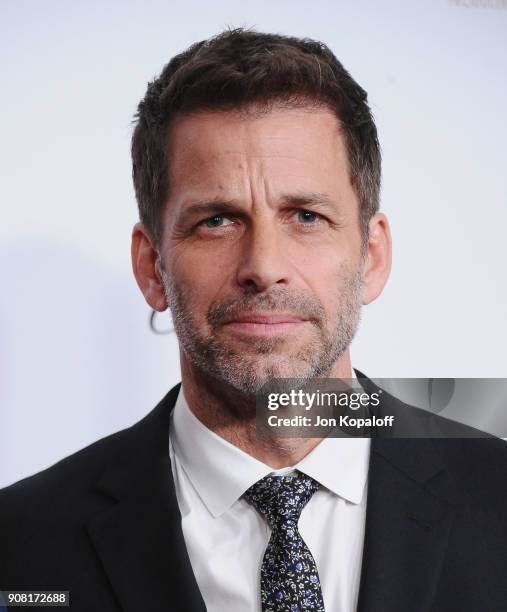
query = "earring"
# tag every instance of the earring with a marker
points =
(159, 332)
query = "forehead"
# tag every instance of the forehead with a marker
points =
(219, 149)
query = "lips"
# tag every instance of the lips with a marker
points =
(266, 319)
(259, 324)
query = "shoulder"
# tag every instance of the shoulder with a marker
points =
(481, 462)
(66, 477)
(45, 518)
(473, 478)
(64, 483)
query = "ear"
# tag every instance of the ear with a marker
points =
(145, 268)
(378, 258)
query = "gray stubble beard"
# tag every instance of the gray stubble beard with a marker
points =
(241, 369)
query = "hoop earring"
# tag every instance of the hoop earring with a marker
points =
(159, 332)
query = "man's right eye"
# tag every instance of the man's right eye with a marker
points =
(216, 221)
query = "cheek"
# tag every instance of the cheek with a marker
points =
(319, 268)
(325, 276)
(199, 280)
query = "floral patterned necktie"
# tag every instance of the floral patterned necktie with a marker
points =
(289, 578)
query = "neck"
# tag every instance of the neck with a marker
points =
(231, 415)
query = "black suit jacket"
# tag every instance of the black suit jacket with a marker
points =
(104, 524)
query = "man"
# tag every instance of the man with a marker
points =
(257, 174)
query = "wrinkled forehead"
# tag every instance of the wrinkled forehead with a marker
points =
(216, 149)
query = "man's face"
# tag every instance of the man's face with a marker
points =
(261, 248)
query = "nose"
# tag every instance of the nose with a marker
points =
(263, 260)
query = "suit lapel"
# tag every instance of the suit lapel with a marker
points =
(138, 537)
(410, 507)
(406, 532)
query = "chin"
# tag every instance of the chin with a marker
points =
(275, 368)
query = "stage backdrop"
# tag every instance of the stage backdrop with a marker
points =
(77, 358)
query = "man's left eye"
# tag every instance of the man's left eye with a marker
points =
(306, 216)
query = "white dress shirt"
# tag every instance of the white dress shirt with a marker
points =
(226, 537)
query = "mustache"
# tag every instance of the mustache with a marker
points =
(280, 301)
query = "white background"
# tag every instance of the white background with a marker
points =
(77, 359)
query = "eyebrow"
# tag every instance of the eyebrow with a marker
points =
(299, 199)
(308, 198)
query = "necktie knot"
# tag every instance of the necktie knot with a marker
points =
(282, 498)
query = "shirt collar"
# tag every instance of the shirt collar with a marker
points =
(221, 472)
